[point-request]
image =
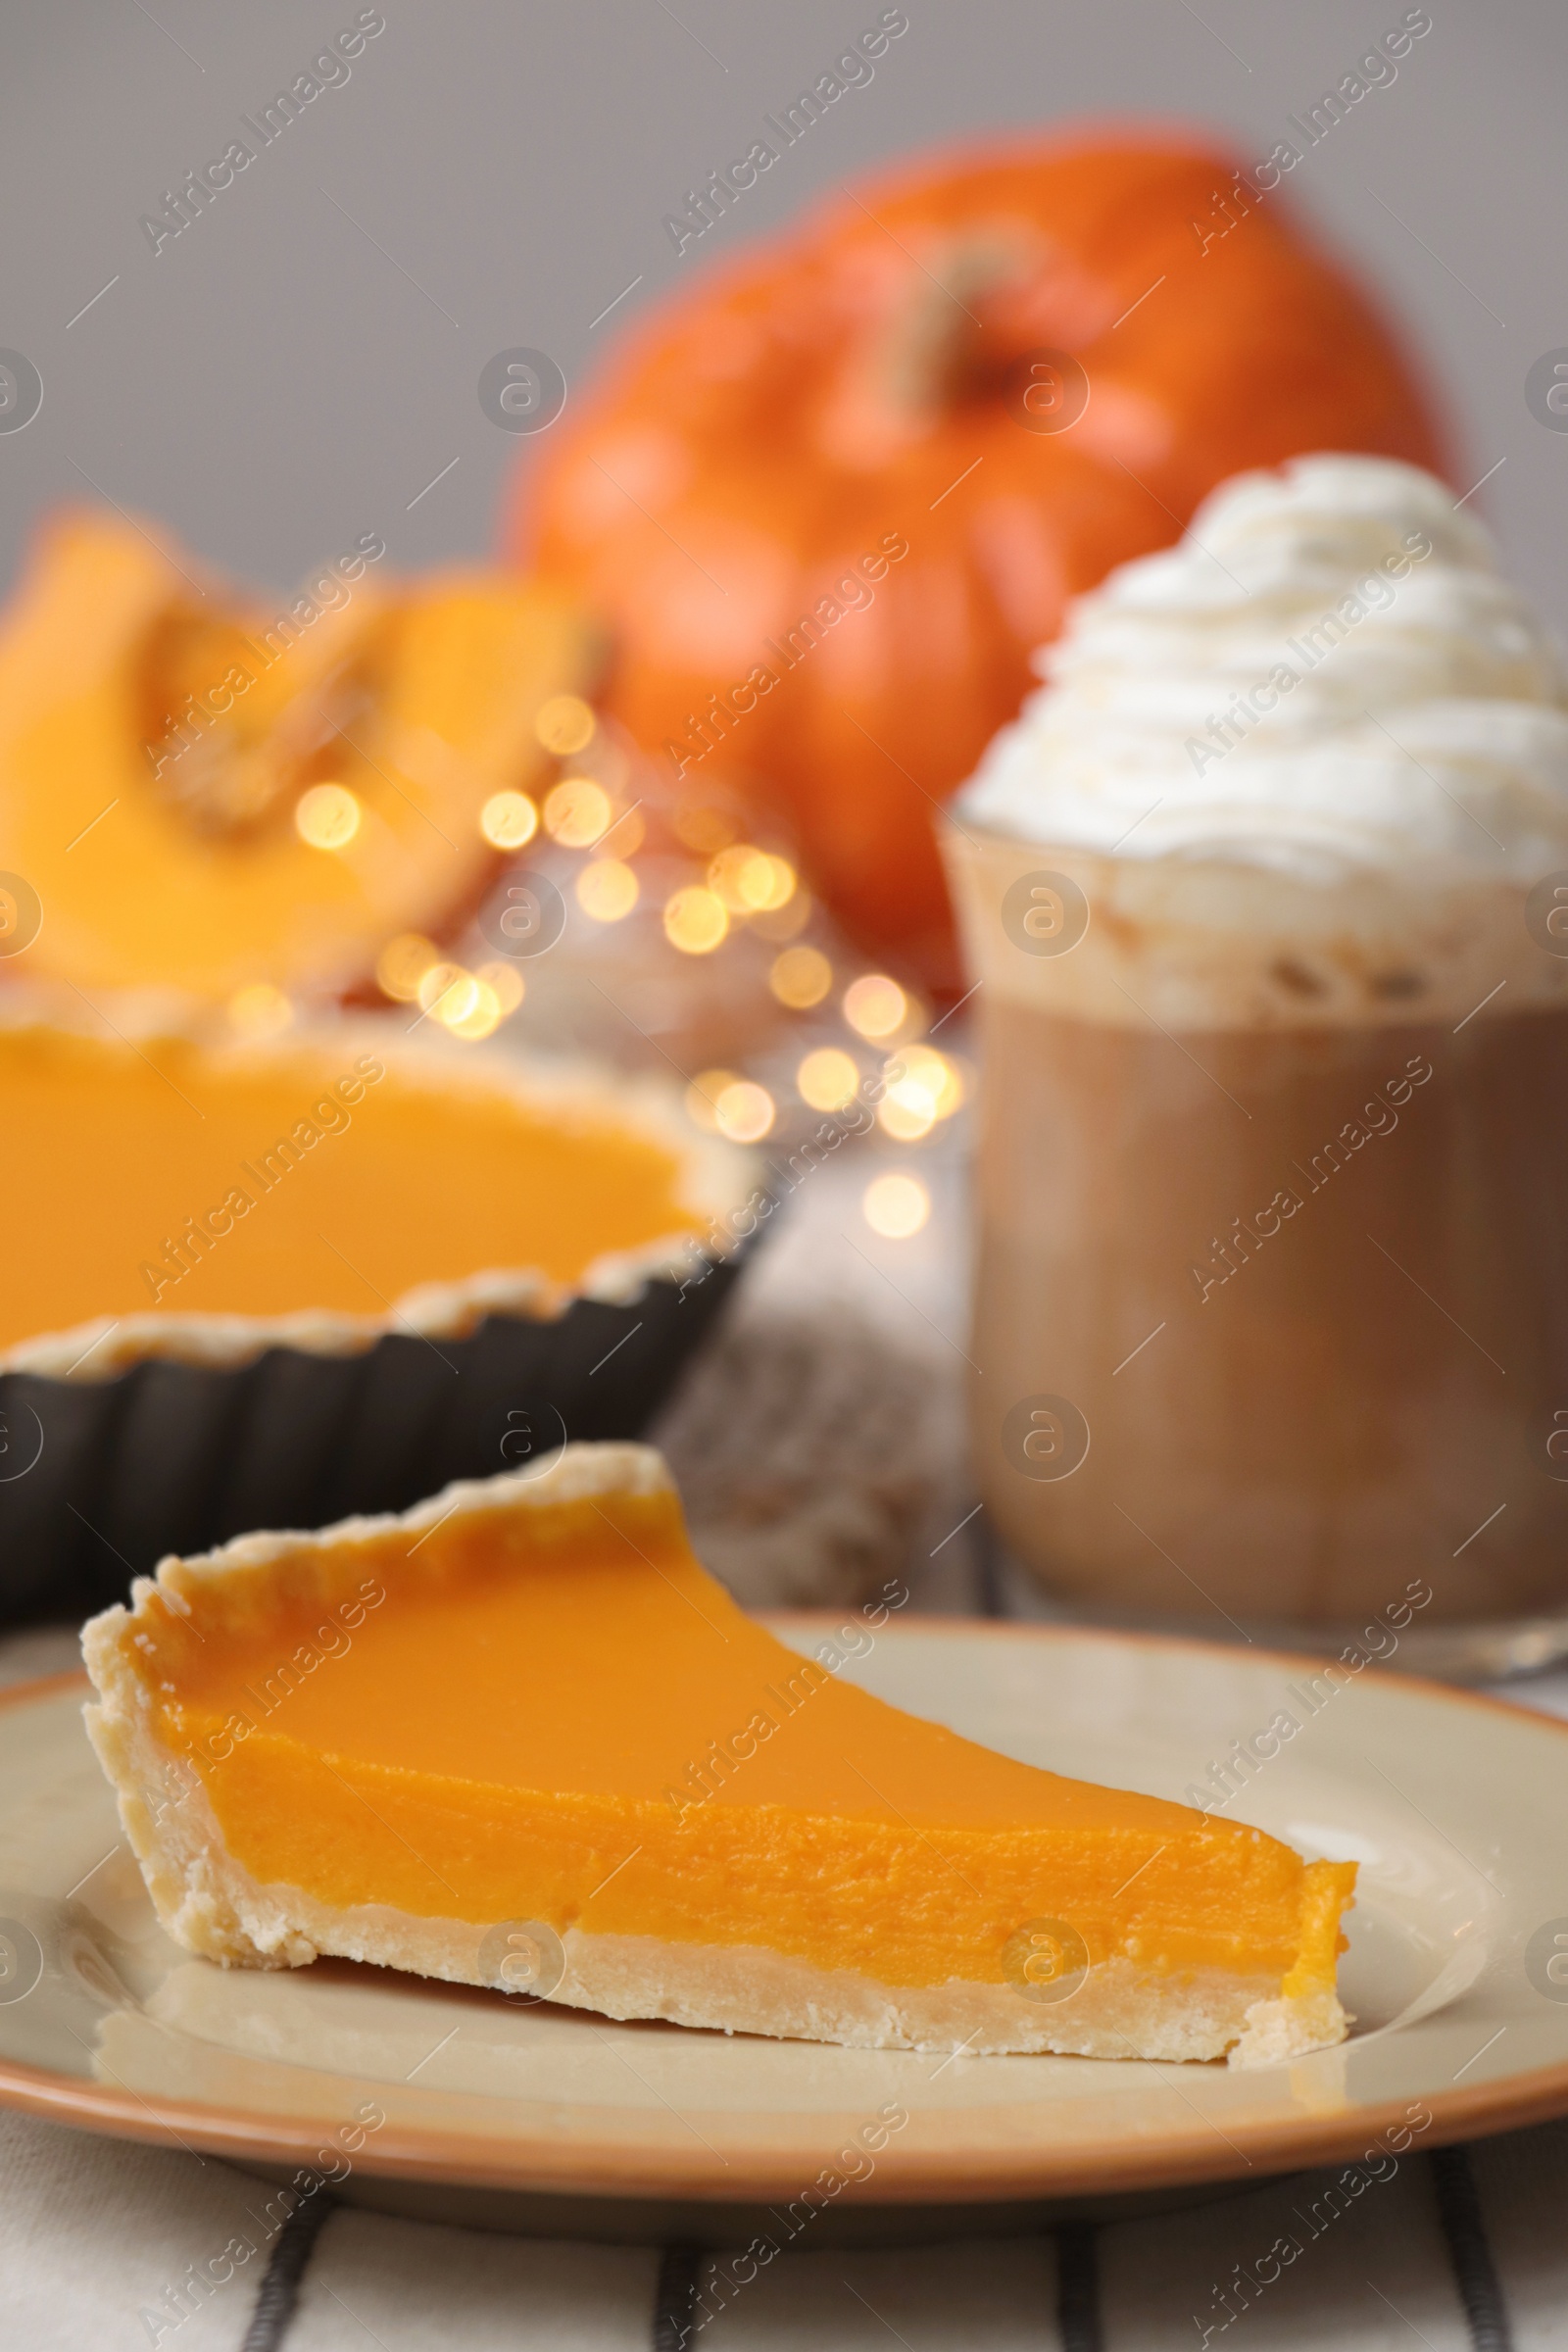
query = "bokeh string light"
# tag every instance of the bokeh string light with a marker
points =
(801, 977)
(327, 816)
(745, 1111)
(696, 920)
(875, 1005)
(505, 984)
(565, 724)
(828, 1078)
(608, 889)
(509, 820)
(691, 910)
(704, 1095)
(896, 1207)
(577, 812)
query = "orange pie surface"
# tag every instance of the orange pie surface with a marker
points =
(167, 1178)
(547, 1711)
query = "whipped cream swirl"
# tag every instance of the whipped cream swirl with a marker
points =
(1328, 674)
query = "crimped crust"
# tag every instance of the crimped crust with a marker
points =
(212, 1905)
(715, 1179)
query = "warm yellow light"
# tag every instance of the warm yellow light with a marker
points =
(565, 724)
(508, 820)
(459, 1001)
(874, 1004)
(472, 1012)
(938, 1078)
(801, 977)
(576, 811)
(749, 880)
(725, 874)
(704, 1095)
(436, 982)
(923, 1086)
(504, 983)
(769, 884)
(607, 890)
(695, 920)
(327, 816)
(906, 1111)
(896, 1207)
(403, 964)
(828, 1078)
(260, 1011)
(743, 1112)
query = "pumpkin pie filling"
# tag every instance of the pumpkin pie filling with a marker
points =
(528, 1702)
(181, 1180)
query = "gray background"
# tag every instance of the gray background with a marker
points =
(287, 374)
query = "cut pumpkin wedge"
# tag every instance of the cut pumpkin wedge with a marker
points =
(161, 742)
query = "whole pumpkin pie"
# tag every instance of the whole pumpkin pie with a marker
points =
(166, 1195)
(248, 1285)
(520, 1737)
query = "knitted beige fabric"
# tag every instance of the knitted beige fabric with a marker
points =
(813, 1450)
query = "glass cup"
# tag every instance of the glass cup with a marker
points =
(1271, 1316)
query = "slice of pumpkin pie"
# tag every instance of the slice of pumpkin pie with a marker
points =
(520, 1737)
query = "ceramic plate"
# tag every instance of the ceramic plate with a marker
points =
(1453, 1806)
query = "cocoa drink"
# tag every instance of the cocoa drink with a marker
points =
(1271, 1318)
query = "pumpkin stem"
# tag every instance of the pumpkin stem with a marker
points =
(934, 335)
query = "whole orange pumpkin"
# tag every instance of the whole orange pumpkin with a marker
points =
(830, 499)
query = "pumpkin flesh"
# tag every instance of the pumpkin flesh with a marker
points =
(155, 746)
